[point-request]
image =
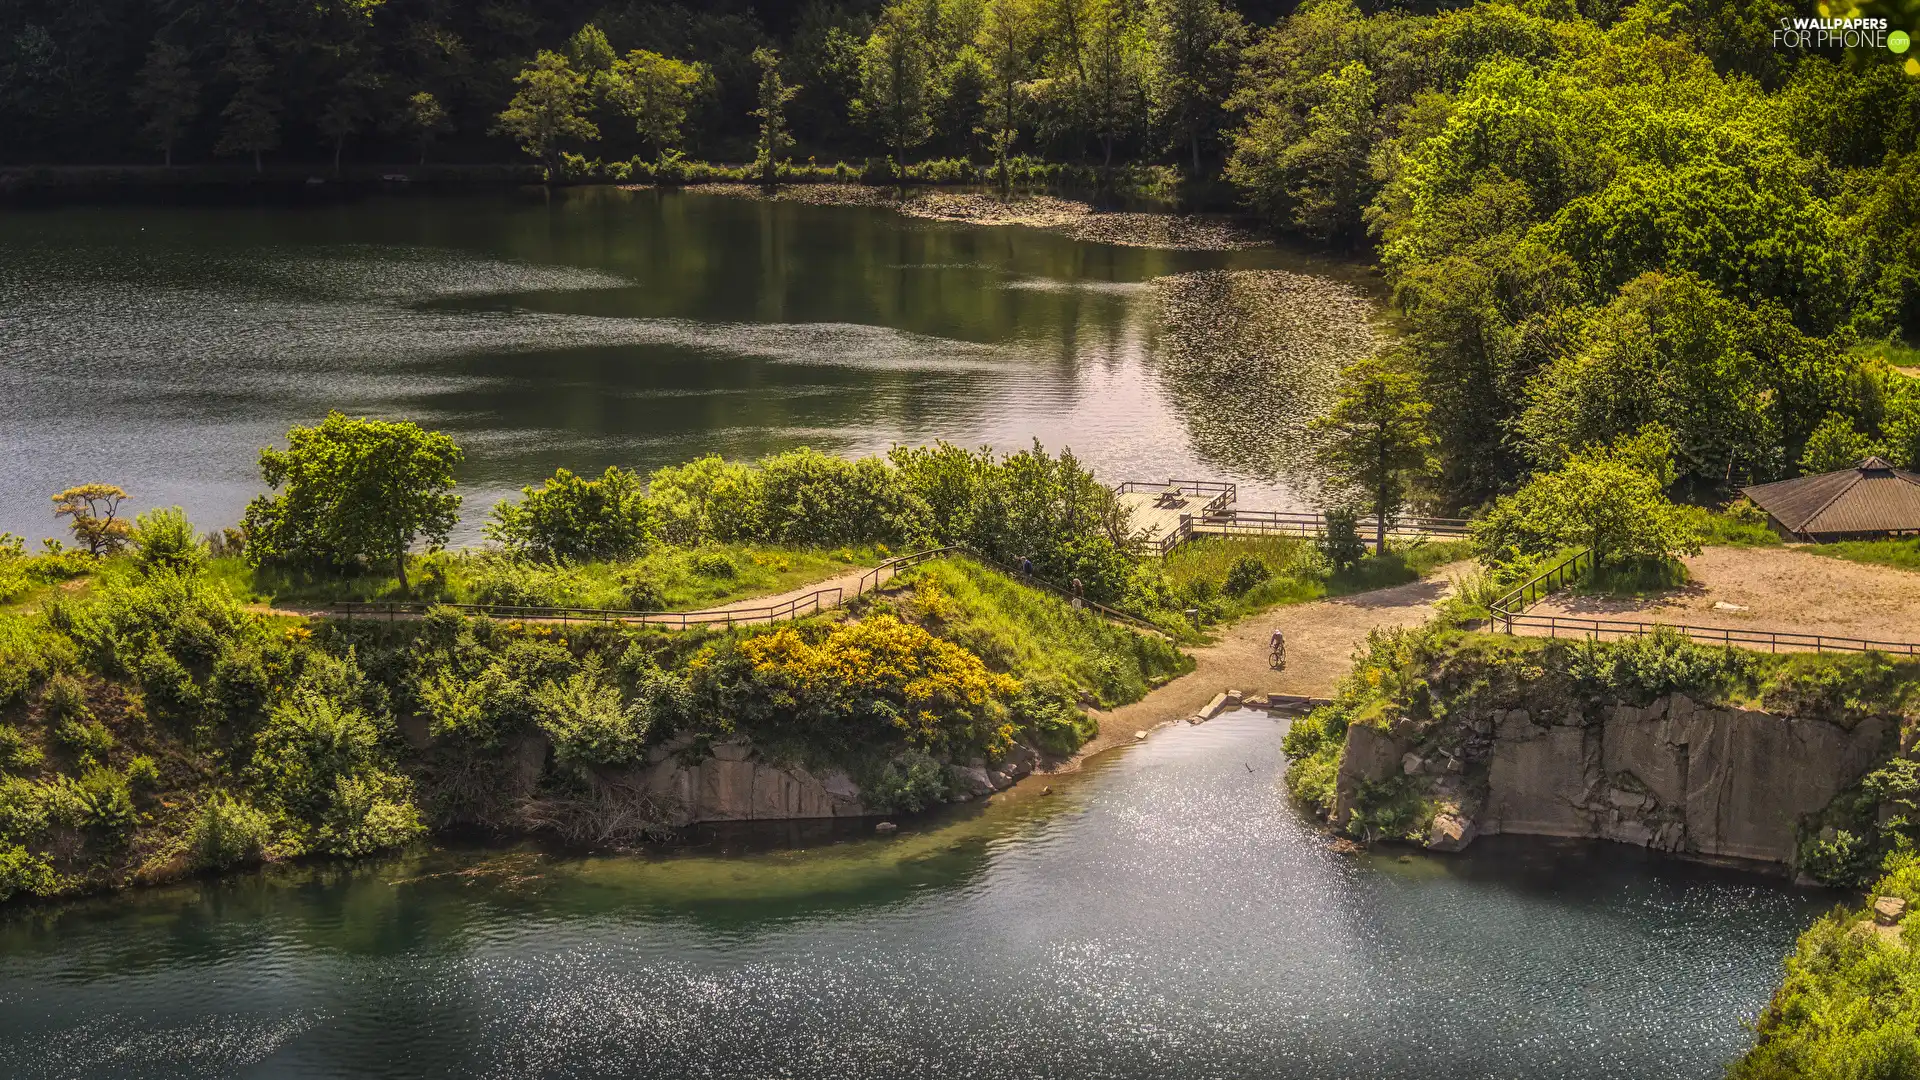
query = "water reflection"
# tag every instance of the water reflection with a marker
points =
(160, 347)
(1166, 914)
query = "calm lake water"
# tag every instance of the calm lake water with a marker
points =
(159, 347)
(1163, 914)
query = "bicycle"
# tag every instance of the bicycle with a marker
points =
(1277, 655)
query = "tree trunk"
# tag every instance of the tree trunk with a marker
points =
(338, 145)
(400, 571)
(1193, 137)
(168, 156)
(257, 167)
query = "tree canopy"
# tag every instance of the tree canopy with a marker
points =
(353, 491)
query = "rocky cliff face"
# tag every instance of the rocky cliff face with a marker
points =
(1675, 775)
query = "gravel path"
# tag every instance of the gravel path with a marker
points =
(1321, 638)
(1785, 589)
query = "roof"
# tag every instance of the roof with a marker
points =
(1871, 497)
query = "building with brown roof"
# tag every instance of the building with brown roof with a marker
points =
(1871, 500)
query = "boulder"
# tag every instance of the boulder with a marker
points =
(1450, 832)
(972, 780)
(1889, 910)
(1410, 764)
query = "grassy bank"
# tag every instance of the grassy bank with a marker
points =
(1224, 579)
(152, 727)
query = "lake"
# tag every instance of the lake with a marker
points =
(1165, 913)
(159, 347)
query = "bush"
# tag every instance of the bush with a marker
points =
(1341, 543)
(1052, 721)
(88, 741)
(1246, 572)
(641, 592)
(228, 833)
(715, 564)
(906, 784)
(572, 518)
(165, 540)
(1665, 661)
(23, 811)
(109, 802)
(15, 751)
(588, 721)
(368, 813)
(21, 871)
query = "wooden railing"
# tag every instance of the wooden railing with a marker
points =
(808, 604)
(1288, 523)
(1568, 571)
(1612, 629)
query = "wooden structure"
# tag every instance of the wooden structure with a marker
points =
(1165, 515)
(1870, 501)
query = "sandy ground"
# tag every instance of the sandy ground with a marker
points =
(1780, 589)
(1321, 638)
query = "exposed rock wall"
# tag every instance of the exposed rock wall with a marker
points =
(735, 785)
(1675, 775)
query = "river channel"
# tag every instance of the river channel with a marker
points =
(158, 347)
(1164, 913)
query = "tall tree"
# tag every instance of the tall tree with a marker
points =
(654, 92)
(93, 511)
(1115, 88)
(251, 120)
(1196, 49)
(425, 119)
(354, 491)
(1376, 437)
(895, 83)
(772, 114)
(167, 95)
(349, 106)
(1008, 29)
(547, 110)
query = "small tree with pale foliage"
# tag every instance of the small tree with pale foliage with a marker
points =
(93, 510)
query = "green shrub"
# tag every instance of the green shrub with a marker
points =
(109, 802)
(1052, 721)
(715, 564)
(1666, 661)
(906, 784)
(573, 518)
(369, 812)
(164, 539)
(227, 833)
(642, 593)
(1341, 542)
(88, 741)
(1312, 746)
(23, 810)
(518, 583)
(15, 751)
(1247, 571)
(21, 871)
(307, 744)
(1842, 689)
(588, 721)
(142, 774)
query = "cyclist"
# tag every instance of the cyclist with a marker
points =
(1277, 648)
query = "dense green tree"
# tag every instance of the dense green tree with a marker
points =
(1375, 437)
(355, 491)
(1835, 445)
(654, 92)
(425, 119)
(1195, 50)
(895, 83)
(1008, 29)
(548, 110)
(771, 111)
(1610, 499)
(574, 518)
(1114, 91)
(167, 96)
(250, 123)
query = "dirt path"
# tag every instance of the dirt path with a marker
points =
(1786, 589)
(1321, 637)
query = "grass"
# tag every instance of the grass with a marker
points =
(1897, 354)
(682, 579)
(1198, 572)
(1898, 554)
(1718, 528)
(1636, 578)
(1034, 635)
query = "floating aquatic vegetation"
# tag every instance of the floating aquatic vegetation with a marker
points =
(1249, 357)
(1074, 218)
